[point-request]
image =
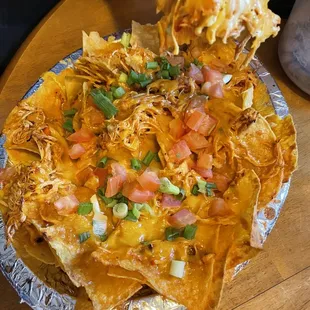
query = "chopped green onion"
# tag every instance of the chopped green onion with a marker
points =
(174, 71)
(103, 103)
(143, 206)
(197, 63)
(123, 199)
(190, 232)
(167, 187)
(135, 164)
(102, 162)
(119, 92)
(131, 217)
(181, 196)
(68, 125)
(123, 77)
(210, 187)
(109, 202)
(136, 210)
(132, 78)
(172, 233)
(165, 74)
(206, 187)
(125, 40)
(103, 237)
(85, 208)
(151, 65)
(84, 236)
(120, 210)
(148, 158)
(69, 113)
(156, 158)
(177, 268)
(195, 190)
(145, 83)
(109, 95)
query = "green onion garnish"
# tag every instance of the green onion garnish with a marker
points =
(109, 202)
(151, 65)
(148, 158)
(197, 63)
(102, 162)
(103, 237)
(190, 232)
(118, 92)
(84, 236)
(135, 164)
(167, 187)
(120, 210)
(103, 103)
(136, 210)
(172, 233)
(85, 208)
(174, 71)
(68, 125)
(156, 158)
(131, 217)
(194, 190)
(181, 196)
(69, 113)
(125, 40)
(145, 83)
(210, 187)
(165, 74)
(123, 77)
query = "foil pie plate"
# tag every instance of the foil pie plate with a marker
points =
(39, 296)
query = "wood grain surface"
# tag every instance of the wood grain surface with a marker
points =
(279, 277)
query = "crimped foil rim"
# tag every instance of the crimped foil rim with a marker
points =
(39, 296)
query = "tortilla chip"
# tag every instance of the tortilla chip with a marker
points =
(261, 100)
(104, 291)
(145, 36)
(118, 272)
(285, 132)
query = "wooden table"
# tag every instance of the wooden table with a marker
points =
(278, 278)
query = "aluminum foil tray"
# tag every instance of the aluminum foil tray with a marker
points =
(39, 296)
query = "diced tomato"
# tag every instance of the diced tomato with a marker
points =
(182, 218)
(213, 90)
(66, 205)
(219, 208)
(177, 128)
(212, 76)
(195, 120)
(179, 151)
(220, 181)
(140, 196)
(197, 103)
(118, 169)
(169, 201)
(176, 60)
(195, 73)
(82, 135)
(114, 185)
(207, 125)
(196, 141)
(205, 173)
(6, 174)
(102, 174)
(204, 160)
(83, 175)
(149, 180)
(76, 151)
(134, 192)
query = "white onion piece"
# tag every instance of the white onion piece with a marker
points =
(177, 268)
(99, 224)
(120, 210)
(227, 78)
(95, 202)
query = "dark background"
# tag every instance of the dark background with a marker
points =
(19, 17)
